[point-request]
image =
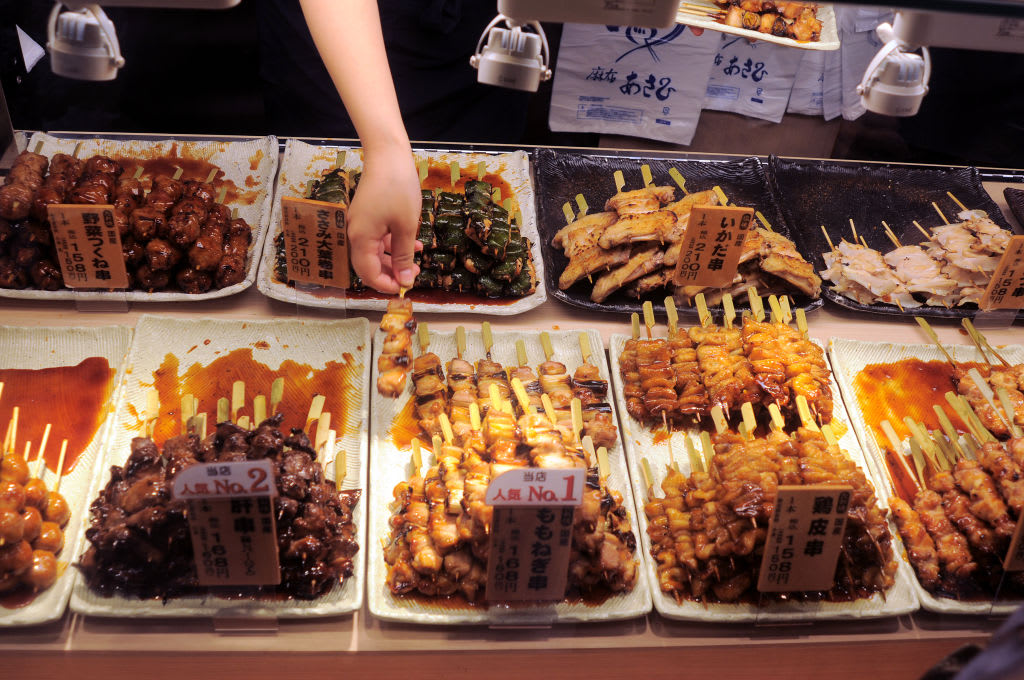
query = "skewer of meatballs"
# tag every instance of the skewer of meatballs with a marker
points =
(32, 518)
(176, 236)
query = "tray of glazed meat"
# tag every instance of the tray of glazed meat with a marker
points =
(887, 239)
(58, 388)
(804, 25)
(432, 524)
(191, 215)
(137, 559)
(708, 473)
(481, 253)
(624, 250)
(954, 472)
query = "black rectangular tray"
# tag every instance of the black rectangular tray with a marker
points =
(560, 176)
(813, 193)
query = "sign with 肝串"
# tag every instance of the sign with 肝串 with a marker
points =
(88, 246)
(712, 245)
(804, 538)
(231, 521)
(315, 241)
(531, 533)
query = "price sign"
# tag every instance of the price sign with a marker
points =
(1006, 289)
(531, 533)
(231, 519)
(804, 538)
(712, 246)
(88, 246)
(1015, 555)
(316, 241)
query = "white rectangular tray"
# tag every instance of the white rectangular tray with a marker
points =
(391, 466)
(251, 165)
(849, 357)
(310, 342)
(37, 348)
(303, 162)
(640, 442)
(826, 15)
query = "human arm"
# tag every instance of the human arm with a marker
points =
(384, 213)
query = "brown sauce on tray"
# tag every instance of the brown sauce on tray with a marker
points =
(191, 168)
(72, 399)
(209, 383)
(908, 388)
(405, 428)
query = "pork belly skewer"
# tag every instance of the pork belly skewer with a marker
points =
(532, 390)
(490, 375)
(555, 381)
(462, 389)
(592, 390)
(396, 352)
(430, 394)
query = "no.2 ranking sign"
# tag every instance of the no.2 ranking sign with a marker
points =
(315, 241)
(231, 520)
(531, 532)
(804, 538)
(88, 246)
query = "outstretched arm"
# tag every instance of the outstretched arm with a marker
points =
(385, 210)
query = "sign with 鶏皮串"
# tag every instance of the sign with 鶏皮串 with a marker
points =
(804, 538)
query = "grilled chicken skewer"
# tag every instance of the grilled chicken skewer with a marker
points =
(395, 357)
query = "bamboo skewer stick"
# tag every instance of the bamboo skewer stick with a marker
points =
(276, 395)
(934, 338)
(956, 200)
(917, 473)
(938, 210)
(921, 229)
(828, 238)
(649, 318)
(60, 465)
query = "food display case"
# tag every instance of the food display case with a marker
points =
(364, 625)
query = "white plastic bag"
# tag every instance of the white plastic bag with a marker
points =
(808, 95)
(632, 81)
(752, 79)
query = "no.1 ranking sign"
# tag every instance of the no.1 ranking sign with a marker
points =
(231, 519)
(531, 532)
(712, 245)
(804, 538)
(315, 241)
(88, 246)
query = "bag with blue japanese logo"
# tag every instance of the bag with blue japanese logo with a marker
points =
(752, 79)
(640, 82)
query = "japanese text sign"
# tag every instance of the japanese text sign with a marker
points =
(1006, 289)
(88, 246)
(231, 520)
(712, 246)
(530, 540)
(315, 241)
(533, 487)
(804, 538)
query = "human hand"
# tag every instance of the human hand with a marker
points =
(383, 220)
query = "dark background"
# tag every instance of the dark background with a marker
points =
(240, 71)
